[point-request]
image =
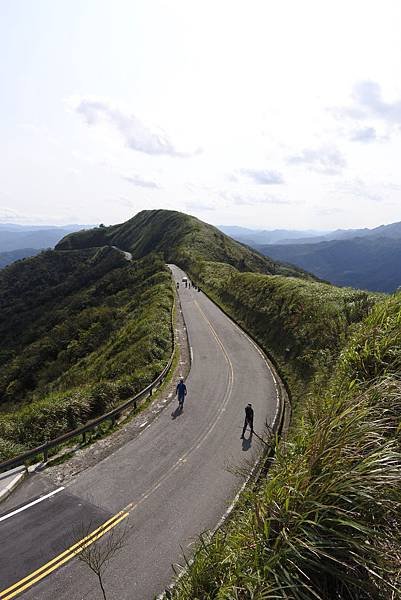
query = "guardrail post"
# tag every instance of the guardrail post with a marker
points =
(135, 404)
(150, 391)
(84, 437)
(45, 454)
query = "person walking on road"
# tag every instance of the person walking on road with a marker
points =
(181, 392)
(248, 419)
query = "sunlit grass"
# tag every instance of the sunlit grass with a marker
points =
(326, 522)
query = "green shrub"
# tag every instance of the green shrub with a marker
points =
(75, 357)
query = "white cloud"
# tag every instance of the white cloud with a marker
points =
(248, 199)
(262, 176)
(196, 206)
(357, 189)
(368, 102)
(382, 117)
(136, 134)
(140, 181)
(365, 135)
(326, 159)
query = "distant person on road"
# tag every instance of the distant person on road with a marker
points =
(248, 419)
(181, 392)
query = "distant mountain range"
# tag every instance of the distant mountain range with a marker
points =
(17, 227)
(362, 258)
(255, 237)
(6, 258)
(17, 237)
(266, 236)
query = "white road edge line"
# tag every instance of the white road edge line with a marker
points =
(15, 512)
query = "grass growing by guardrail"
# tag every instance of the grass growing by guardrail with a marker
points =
(326, 523)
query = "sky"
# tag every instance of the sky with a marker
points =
(264, 114)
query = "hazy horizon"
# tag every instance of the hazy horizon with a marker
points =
(270, 115)
(219, 225)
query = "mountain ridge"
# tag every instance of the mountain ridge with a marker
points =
(180, 238)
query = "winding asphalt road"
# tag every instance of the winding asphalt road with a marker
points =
(166, 486)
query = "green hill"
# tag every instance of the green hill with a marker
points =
(180, 238)
(79, 332)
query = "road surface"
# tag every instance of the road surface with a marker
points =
(166, 486)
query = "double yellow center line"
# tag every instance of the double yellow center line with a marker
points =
(58, 561)
(55, 563)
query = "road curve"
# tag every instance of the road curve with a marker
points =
(171, 482)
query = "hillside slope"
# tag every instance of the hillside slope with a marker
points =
(180, 238)
(325, 524)
(79, 331)
(371, 263)
(303, 324)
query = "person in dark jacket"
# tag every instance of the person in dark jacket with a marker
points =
(181, 392)
(248, 419)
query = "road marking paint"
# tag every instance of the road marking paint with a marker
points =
(204, 434)
(162, 596)
(25, 583)
(22, 508)
(71, 552)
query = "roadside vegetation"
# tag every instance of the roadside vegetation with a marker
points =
(82, 329)
(302, 324)
(80, 332)
(326, 523)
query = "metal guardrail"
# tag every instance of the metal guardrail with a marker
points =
(90, 425)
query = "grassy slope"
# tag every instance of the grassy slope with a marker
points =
(181, 239)
(80, 331)
(302, 324)
(326, 523)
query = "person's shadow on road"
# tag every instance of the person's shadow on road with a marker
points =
(177, 412)
(246, 443)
